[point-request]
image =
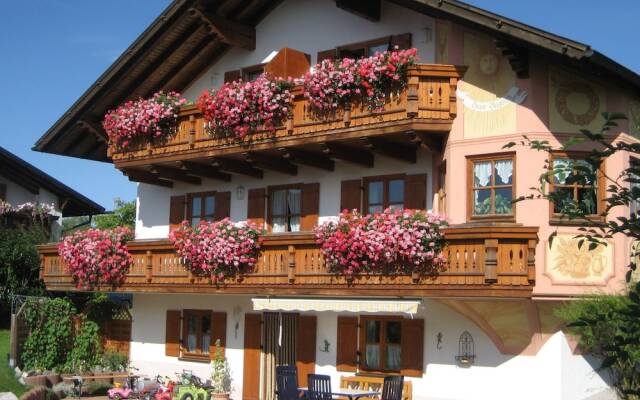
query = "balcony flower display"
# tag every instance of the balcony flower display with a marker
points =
(217, 249)
(239, 107)
(36, 210)
(147, 118)
(405, 240)
(97, 257)
(335, 83)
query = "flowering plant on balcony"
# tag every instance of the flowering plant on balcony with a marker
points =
(36, 210)
(217, 249)
(239, 107)
(148, 118)
(405, 240)
(335, 83)
(97, 257)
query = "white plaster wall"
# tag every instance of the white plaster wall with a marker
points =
(315, 25)
(152, 220)
(554, 373)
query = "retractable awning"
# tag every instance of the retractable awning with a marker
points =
(336, 305)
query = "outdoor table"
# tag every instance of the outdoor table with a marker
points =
(351, 394)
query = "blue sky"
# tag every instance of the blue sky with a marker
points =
(53, 50)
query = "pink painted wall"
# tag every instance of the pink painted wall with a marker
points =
(532, 119)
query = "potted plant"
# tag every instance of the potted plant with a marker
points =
(220, 376)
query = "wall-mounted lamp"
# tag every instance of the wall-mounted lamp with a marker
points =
(466, 352)
(240, 193)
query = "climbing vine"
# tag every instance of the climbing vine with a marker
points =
(86, 351)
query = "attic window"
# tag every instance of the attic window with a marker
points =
(247, 74)
(367, 48)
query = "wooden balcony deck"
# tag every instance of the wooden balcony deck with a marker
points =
(482, 261)
(426, 105)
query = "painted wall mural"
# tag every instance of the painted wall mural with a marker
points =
(574, 103)
(488, 92)
(566, 262)
(634, 117)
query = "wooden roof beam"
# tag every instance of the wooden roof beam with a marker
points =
(308, 158)
(94, 129)
(369, 9)
(273, 163)
(517, 56)
(136, 175)
(237, 167)
(205, 171)
(390, 149)
(175, 174)
(431, 142)
(230, 32)
(350, 154)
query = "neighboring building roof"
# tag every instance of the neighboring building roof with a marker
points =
(186, 38)
(33, 179)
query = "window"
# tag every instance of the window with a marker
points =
(582, 190)
(201, 206)
(383, 344)
(367, 48)
(634, 206)
(491, 187)
(197, 333)
(384, 192)
(285, 208)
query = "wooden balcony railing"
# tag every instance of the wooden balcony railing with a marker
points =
(428, 103)
(482, 261)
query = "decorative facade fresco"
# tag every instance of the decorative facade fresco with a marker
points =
(574, 103)
(443, 30)
(634, 117)
(488, 92)
(569, 263)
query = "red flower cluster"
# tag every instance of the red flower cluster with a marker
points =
(334, 83)
(238, 107)
(408, 240)
(217, 249)
(149, 118)
(96, 257)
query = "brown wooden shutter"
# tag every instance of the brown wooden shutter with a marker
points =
(256, 205)
(326, 55)
(350, 195)
(218, 331)
(176, 210)
(3, 191)
(223, 205)
(306, 348)
(347, 344)
(172, 334)
(415, 192)
(412, 351)
(310, 206)
(251, 369)
(403, 42)
(231, 76)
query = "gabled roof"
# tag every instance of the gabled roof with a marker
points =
(191, 34)
(33, 179)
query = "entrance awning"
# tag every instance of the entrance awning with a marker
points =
(336, 304)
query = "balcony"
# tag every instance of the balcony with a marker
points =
(421, 113)
(482, 261)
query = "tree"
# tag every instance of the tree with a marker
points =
(124, 214)
(607, 326)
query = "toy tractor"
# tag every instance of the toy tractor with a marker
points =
(190, 387)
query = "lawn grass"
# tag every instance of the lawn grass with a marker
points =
(8, 382)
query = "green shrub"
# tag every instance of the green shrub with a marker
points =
(114, 361)
(86, 352)
(93, 388)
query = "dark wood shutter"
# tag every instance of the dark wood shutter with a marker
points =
(347, 344)
(326, 55)
(412, 347)
(231, 76)
(172, 334)
(350, 195)
(306, 348)
(251, 368)
(3, 191)
(310, 206)
(415, 192)
(256, 205)
(223, 205)
(176, 210)
(403, 42)
(218, 331)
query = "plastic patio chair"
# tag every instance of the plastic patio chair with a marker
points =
(392, 387)
(287, 382)
(319, 387)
